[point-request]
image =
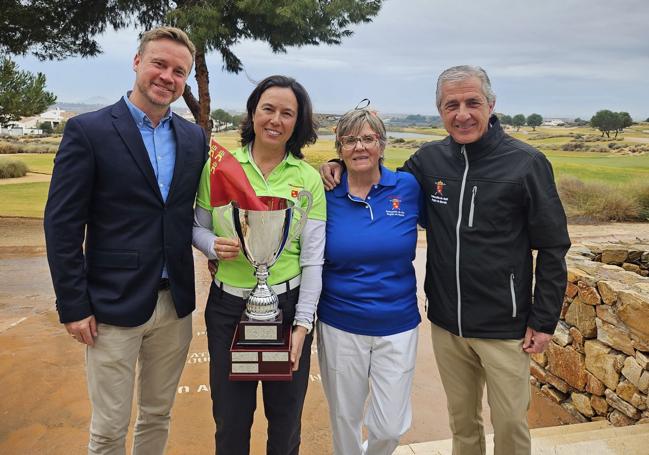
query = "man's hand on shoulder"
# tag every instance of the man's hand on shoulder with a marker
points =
(84, 331)
(535, 342)
(330, 173)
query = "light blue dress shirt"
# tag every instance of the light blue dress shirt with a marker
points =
(160, 144)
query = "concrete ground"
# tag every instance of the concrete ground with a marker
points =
(44, 407)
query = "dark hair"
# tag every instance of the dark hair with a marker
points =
(305, 126)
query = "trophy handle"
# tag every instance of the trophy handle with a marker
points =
(303, 213)
(228, 225)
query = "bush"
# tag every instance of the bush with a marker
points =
(12, 168)
(640, 192)
(588, 202)
(570, 146)
(11, 146)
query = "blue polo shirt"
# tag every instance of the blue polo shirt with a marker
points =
(368, 282)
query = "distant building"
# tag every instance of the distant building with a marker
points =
(553, 122)
(30, 125)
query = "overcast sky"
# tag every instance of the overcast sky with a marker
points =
(558, 58)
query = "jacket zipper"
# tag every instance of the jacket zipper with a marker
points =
(512, 277)
(457, 243)
(473, 193)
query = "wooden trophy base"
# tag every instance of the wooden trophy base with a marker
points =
(256, 332)
(261, 362)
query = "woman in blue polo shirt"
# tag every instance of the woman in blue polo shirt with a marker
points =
(368, 315)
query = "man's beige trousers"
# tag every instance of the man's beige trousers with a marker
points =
(465, 365)
(159, 349)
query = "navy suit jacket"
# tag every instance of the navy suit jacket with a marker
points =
(104, 190)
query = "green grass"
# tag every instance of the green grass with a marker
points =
(41, 163)
(23, 199)
(28, 199)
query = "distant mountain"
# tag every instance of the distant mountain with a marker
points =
(80, 108)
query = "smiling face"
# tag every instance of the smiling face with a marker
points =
(274, 118)
(362, 158)
(161, 71)
(465, 110)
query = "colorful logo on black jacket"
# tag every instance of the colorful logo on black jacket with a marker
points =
(438, 196)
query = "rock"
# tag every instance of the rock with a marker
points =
(535, 382)
(582, 316)
(599, 404)
(582, 403)
(620, 420)
(632, 371)
(571, 290)
(639, 401)
(553, 393)
(567, 364)
(635, 255)
(588, 294)
(626, 390)
(577, 339)
(639, 343)
(601, 363)
(615, 337)
(575, 275)
(618, 403)
(556, 382)
(561, 335)
(643, 421)
(642, 359)
(608, 291)
(572, 410)
(537, 371)
(607, 313)
(645, 257)
(564, 307)
(595, 248)
(614, 256)
(540, 358)
(635, 268)
(594, 385)
(634, 312)
(644, 382)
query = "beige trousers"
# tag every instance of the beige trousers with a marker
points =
(465, 365)
(159, 349)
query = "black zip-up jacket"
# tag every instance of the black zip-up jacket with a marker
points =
(488, 205)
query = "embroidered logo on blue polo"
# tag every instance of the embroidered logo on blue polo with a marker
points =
(438, 196)
(395, 207)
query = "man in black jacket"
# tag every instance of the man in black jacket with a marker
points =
(118, 229)
(491, 200)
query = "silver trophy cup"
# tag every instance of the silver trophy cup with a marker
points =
(263, 234)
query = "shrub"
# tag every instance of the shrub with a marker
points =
(11, 146)
(12, 168)
(640, 192)
(588, 201)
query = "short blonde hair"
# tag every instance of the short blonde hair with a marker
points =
(170, 33)
(352, 122)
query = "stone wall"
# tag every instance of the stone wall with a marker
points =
(597, 365)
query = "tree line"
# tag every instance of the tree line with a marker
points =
(519, 120)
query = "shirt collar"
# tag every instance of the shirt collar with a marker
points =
(140, 117)
(246, 157)
(388, 179)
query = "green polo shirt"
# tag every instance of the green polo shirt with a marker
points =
(286, 180)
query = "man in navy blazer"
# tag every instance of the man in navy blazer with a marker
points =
(118, 228)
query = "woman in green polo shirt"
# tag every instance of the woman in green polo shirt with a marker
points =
(279, 123)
